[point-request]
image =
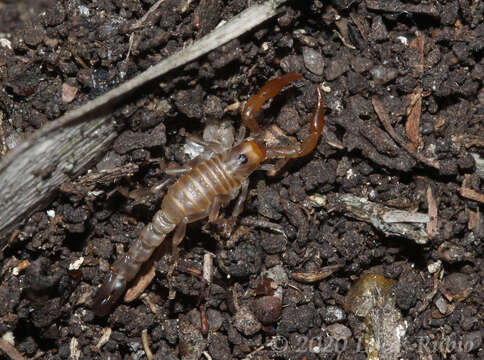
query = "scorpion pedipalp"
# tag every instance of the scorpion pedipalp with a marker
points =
(283, 153)
(316, 128)
(268, 91)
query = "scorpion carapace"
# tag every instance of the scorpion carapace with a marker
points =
(205, 185)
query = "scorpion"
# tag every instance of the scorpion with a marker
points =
(207, 183)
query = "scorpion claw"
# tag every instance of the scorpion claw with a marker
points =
(108, 294)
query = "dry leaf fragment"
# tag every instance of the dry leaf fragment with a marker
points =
(433, 213)
(141, 284)
(414, 111)
(469, 193)
(419, 44)
(474, 218)
(385, 120)
(105, 336)
(146, 344)
(311, 277)
(469, 140)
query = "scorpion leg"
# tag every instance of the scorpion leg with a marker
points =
(162, 185)
(181, 230)
(208, 146)
(317, 121)
(268, 91)
(239, 204)
(227, 225)
(178, 237)
(178, 170)
(214, 209)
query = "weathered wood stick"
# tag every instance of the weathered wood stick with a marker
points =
(66, 147)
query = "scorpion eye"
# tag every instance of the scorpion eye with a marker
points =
(243, 159)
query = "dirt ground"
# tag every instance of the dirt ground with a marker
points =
(422, 63)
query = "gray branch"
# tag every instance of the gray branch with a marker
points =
(66, 147)
(390, 221)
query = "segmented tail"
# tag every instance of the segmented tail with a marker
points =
(129, 264)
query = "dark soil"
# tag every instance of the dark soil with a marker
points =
(44, 296)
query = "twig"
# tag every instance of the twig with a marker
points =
(68, 145)
(146, 344)
(3, 143)
(469, 140)
(400, 7)
(105, 336)
(385, 120)
(10, 350)
(208, 267)
(428, 298)
(139, 23)
(207, 355)
(468, 192)
(254, 222)
(256, 350)
(414, 112)
(140, 284)
(391, 222)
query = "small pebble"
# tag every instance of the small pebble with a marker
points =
(215, 319)
(382, 74)
(451, 253)
(13, 139)
(480, 96)
(213, 107)
(278, 274)
(267, 309)
(333, 314)
(458, 285)
(434, 267)
(246, 322)
(110, 161)
(313, 60)
(68, 93)
(379, 31)
(361, 64)
(292, 63)
(472, 341)
(336, 68)
(442, 305)
(338, 332)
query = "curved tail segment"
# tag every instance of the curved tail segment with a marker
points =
(108, 294)
(130, 263)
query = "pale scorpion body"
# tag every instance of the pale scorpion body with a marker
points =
(206, 186)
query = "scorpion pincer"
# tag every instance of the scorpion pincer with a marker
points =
(206, 184)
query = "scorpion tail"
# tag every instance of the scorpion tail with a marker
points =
(108, 294)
